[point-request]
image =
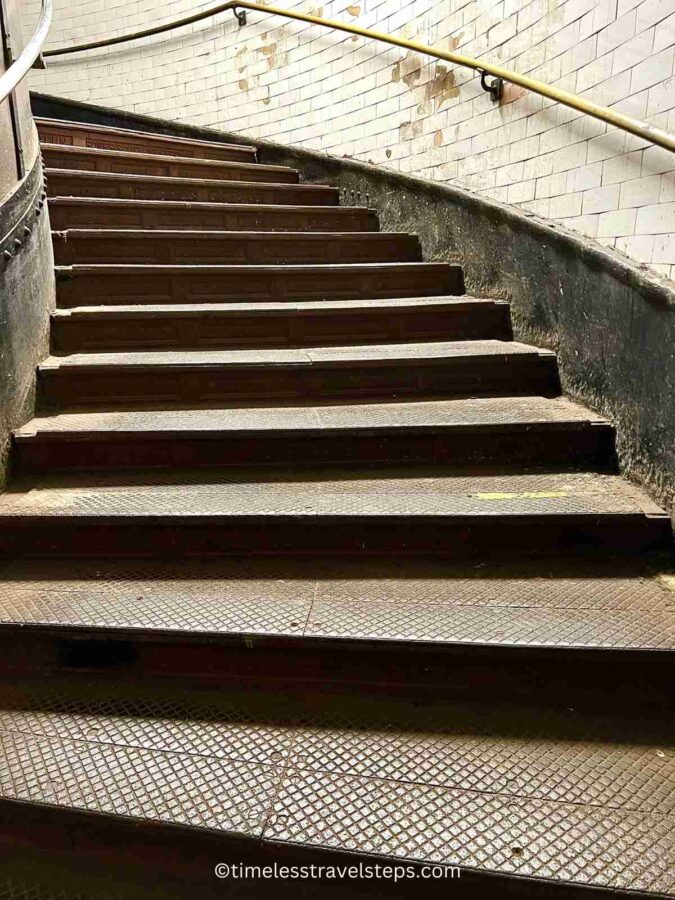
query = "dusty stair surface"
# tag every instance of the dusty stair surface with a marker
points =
(306, 559)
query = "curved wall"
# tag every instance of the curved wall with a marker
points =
(346, 96)
(27, 272)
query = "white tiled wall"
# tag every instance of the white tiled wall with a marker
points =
(344, 95)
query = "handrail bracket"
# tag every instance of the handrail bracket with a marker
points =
(240, 16)
(495, 88)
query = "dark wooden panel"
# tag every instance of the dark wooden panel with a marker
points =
(78, 212)
(111, 161)
(63, 182)
(112, 285)
(77, 134)
(194, 247)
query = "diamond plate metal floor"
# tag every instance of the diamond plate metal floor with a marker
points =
(558, 796)
(329, 491)
(530, 605)
(398, 353)
(534, 430)
(477, 411)
(330, 511)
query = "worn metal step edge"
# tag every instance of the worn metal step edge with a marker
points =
(76, 174)
(417, 354)
(485, 414)
(375, 306)
(133, 203)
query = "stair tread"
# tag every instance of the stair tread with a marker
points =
(326, 492)
(131, 132)
(287, 308)
(472, 412)
(213, 234)
(414, 354)
(529, 604)
(187, 182)
(78, 246)
(459, 784)
(97, 152)
(199, 204)
(139, 269)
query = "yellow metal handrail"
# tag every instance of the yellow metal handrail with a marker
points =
(627, 123)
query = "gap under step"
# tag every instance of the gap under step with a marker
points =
(234, 247)
(551, 798)
(94, 212)
(103, 137)
(83, 159)
(469, 515)
(95, 285)
(395, 371)
(69, 182)
(462, 432)
(211, 326)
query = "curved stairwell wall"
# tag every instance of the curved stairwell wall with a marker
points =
(345, 96)
(26, 277)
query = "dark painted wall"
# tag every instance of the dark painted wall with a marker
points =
(611, 321)
(26, 298)
(26, 263)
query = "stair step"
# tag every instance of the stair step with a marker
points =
(183, 779)
(122, 162)
(528, 605)
(69, 182)
(532, 430)
(395, 371)
(239, 325)
(102, 137)
(331, 512)
(194, 247)
(95, 285)
(92, 212)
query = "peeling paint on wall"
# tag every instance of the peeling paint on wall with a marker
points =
(241, 58)
(354, 10)
(443, 87)
(274, 48)
(409, 130)
(408, 69)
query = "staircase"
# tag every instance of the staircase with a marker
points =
(307, 560)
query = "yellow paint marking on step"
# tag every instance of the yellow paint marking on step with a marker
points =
(524, 495)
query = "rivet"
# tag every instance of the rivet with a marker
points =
(7, 254)
(27, 231)
(18, 242)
